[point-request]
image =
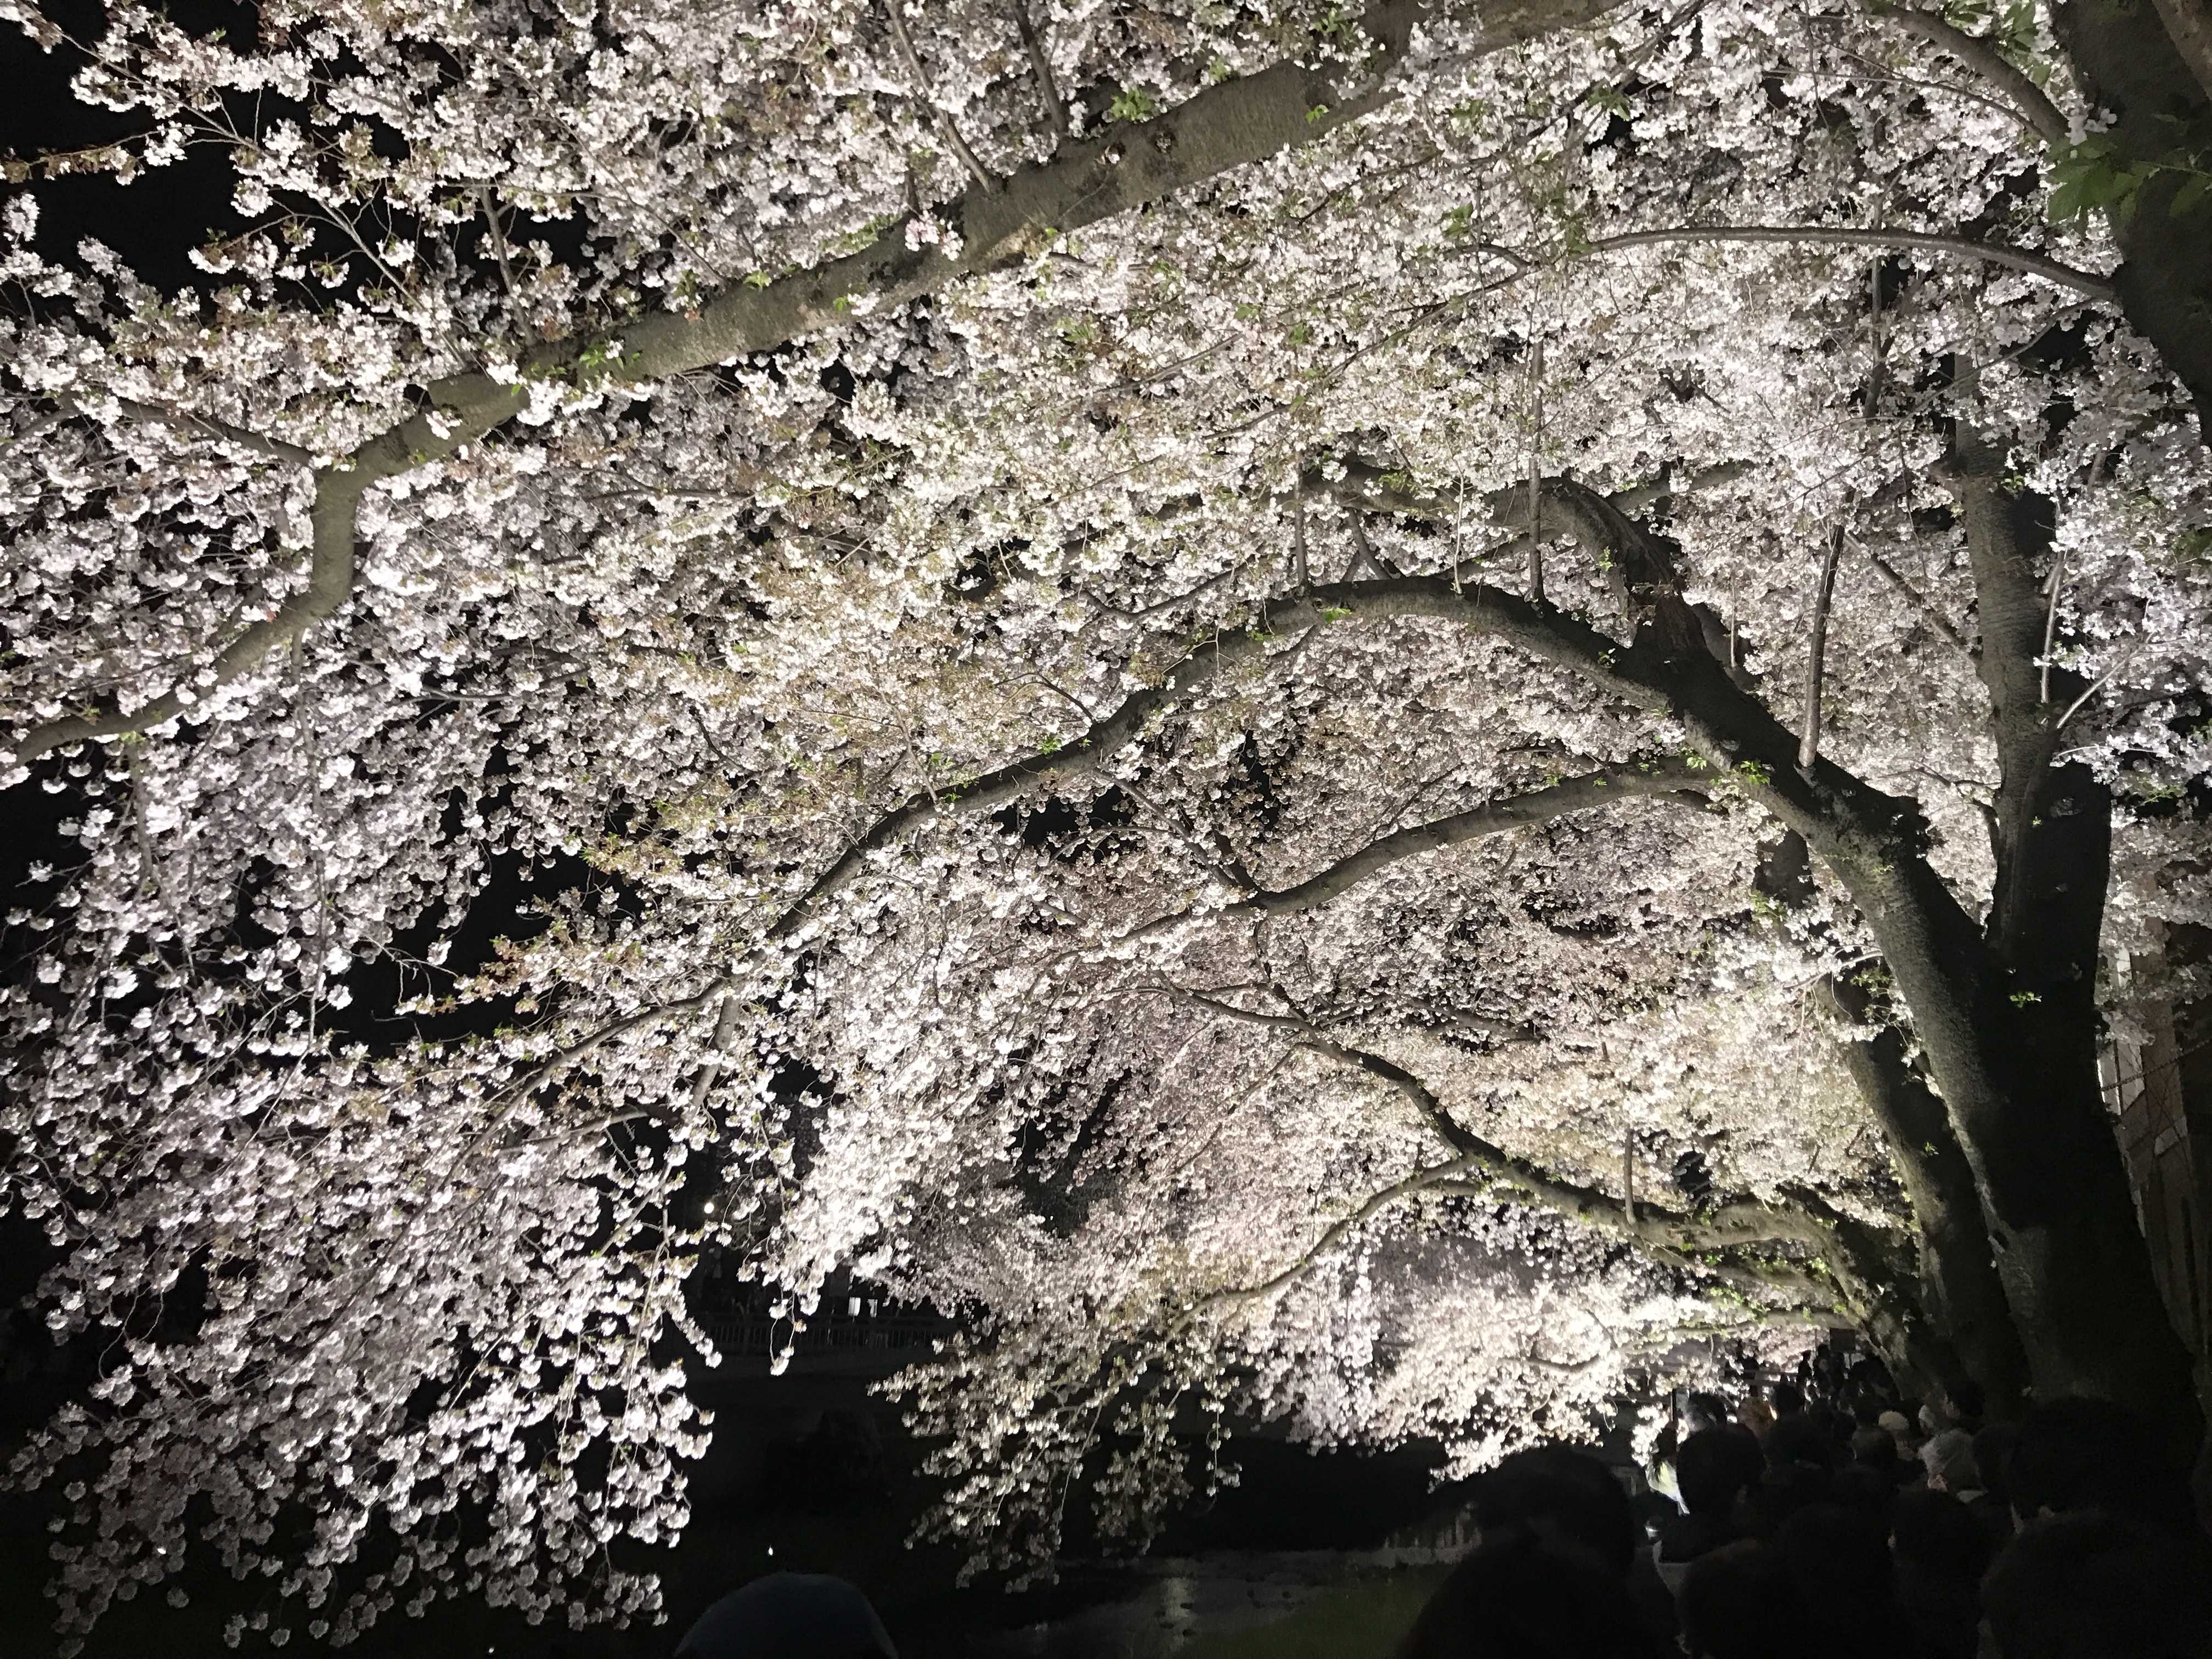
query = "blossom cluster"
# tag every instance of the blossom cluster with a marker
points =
(408, 1262)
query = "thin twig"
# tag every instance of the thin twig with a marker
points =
(205, 426)
(1513, 257)
(1898, 580)
(1876, 375)
(2096, 287)
(597, 1126)
(1535, 478)
(975, 169)
(1041, 67)
(1808, 746)
(498, 237)
(2050, 623)
(2095, 685)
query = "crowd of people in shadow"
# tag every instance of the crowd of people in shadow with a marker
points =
(1852, 1526)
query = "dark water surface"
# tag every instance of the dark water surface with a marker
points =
(1328, 1554)
(1347, 1604)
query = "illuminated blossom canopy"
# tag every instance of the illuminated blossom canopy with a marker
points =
(1199, 680)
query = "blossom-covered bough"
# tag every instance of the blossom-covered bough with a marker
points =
(1199, 682)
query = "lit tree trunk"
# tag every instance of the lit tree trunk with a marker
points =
(2017, 1077)
(2027, 1102)
(2007, 1015)
(1964, 1328)
(1960, 1293)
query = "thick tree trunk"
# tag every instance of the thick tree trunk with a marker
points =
(2019, 1079)
(1963, 1328)
(1960, 1291)
(2032, 1120)
(1880, 1293)
(2128, 63)
(2006, 1016)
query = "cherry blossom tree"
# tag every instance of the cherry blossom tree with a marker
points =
(1200, 681)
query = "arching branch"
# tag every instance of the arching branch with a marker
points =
(1423, 1179)
(1982, 56)
(1815, 1305)
(1498, 1176)
(2035, 264)
(1127, 166)
(1855, 826)
(1669, 778)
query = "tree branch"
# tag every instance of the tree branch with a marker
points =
(2005, 532)
(1419, 1181)
(330, 584)
(2082, 281)
(507, 1102)
(2190, 24)
(1536, 479)
(1439, 1178)
(1508, 616)
(491, 206)
(1809, 742)
(1959, 1285)
(2050, 627)
(1644, 497)
(1859, 830)
(1670, 777)
(726, 1032)
(951, 129)
(1128, 165)
(1982, 56)
(1506, 1175)
(1041, 67)
(204, 426)
(1105, 737)
(1927, 607)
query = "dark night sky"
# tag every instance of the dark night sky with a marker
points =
(153, 222)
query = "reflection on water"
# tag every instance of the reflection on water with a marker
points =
(1157, 1618)
(1191, 1607)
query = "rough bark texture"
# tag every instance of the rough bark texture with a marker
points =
(2032, 1119)
(1960, 1288)
(2127, 62)
(1969, 1327)
(2189, 25)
